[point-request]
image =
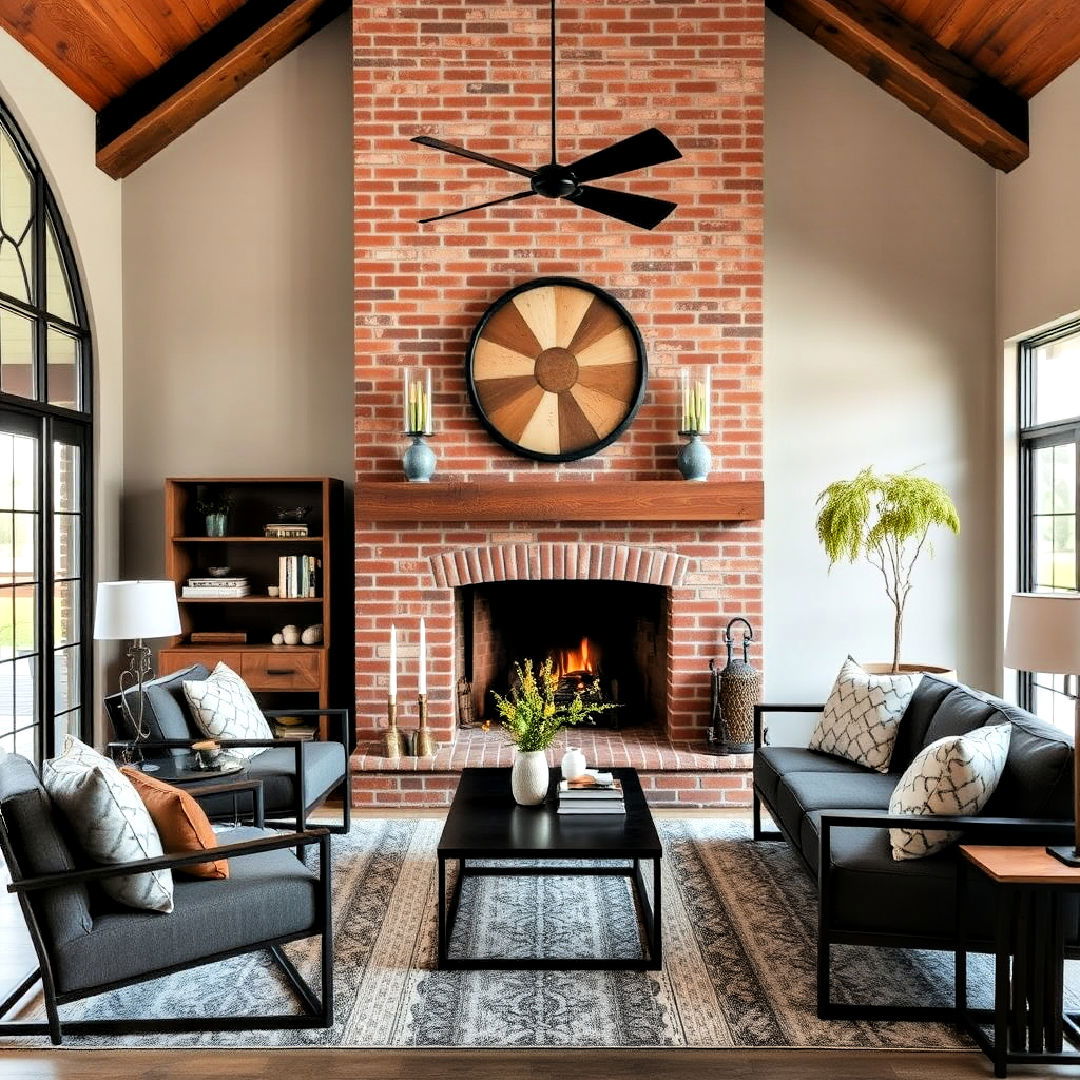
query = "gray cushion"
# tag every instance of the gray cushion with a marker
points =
(911, 735)
(1038, 776)
(324, 768)
(961, 711)
(38, 842)
(268, 895)
(800, 793)
(165, 708)
(773, 762)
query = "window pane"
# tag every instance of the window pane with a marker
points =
(57, 288)
(62, 375)
(16, 217)
(18, 691)
(66, 676)
(1065, 479)
(1056, 367)
(1044, 479)
(66, 555)
(26, 742)
(66, 477)
(69, 723)
(17, 354)
(24, 473)
(66, 612)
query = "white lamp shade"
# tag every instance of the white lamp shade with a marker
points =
(1044, 633)
(136, 609)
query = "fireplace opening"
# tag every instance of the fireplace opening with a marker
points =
(607, 641)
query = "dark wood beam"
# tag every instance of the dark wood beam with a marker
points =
(146, 118)
(975, 110)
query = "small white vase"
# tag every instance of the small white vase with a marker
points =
(573, 763)
(529, 778)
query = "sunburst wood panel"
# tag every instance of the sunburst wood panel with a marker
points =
(556, 369)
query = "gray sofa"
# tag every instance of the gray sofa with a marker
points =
(834, 814)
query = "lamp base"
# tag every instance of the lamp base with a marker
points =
(1066, 853)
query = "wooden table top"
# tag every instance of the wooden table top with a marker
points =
(1020, 865)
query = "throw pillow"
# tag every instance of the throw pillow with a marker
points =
(955, 775)
(181, 822)
(862, 716)
(110, 822)
(224, 708)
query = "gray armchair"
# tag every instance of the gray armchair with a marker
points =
(86, 945)
(297, 776)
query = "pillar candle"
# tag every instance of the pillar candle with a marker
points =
(393, 662)
(423, 656)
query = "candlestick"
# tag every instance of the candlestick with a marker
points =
(425, 744)
(423, 658)
(392, 738)
(393, 663)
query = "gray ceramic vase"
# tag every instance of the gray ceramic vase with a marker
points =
(695, 460)
(419, 461)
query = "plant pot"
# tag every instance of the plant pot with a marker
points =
(910, 669)
(216, 523)
(529, 778)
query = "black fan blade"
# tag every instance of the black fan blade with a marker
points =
(495, 163)
(639, 210)
(627, 155)
(479, 206)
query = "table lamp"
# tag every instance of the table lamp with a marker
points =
(1044, 636)
(136, 610)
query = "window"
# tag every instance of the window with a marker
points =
(45, 441)
(1049, 479)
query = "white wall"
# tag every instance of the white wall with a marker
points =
(238, 291)
(60, 128)
(879, 350)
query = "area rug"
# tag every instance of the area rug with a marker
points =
(739, 953)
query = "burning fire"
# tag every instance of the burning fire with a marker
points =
(584, 659)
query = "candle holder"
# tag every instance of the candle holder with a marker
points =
(695, 459)
(392, 737)
(419, 459)
(425, 744)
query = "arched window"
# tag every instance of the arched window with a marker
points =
(45, 477)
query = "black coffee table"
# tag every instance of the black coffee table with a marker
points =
(485, 824)
(192, 768)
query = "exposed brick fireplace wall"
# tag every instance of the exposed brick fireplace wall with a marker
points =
(474, 73)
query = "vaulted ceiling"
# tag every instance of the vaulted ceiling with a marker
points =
(153, 68)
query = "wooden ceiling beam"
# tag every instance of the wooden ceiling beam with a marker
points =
(163, 105)
(978, 112)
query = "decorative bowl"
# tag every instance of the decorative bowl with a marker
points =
(218, 571)
(292, 515)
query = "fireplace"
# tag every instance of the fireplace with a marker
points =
(608, 641)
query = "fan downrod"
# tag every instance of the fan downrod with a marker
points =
(554, 182)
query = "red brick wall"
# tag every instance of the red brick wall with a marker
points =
(475, 73)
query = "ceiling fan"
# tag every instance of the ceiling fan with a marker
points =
(555, 181)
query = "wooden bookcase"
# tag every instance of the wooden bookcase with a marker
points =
(281, 676)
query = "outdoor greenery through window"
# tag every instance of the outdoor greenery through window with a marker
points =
(44, 464)
(1049, 435)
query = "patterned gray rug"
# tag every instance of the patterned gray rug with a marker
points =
(738, 949)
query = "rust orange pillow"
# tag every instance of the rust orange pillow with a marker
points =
(181, 822)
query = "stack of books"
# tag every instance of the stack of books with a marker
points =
(283, 530)
(216, 588)
(299, 732)
(594, 793)
(298, 576)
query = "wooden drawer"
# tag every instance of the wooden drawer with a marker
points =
(284, 669)
(170, 660)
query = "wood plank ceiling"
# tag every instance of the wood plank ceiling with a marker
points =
(152, 68)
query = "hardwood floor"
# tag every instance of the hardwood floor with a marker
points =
(16, 959)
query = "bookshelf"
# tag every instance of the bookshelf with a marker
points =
(281, 676)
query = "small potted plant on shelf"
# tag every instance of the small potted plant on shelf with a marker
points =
(532, 718)
(214, 504)
(885, 520)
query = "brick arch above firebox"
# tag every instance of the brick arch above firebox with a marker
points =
(559, 562)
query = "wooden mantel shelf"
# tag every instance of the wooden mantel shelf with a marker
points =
(561, 500)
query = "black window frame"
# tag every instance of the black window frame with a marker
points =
(1032, 436)
(50, 423)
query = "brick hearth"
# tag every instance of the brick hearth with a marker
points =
(672, 774)
(475, 74)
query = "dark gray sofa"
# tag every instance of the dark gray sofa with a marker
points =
(834, 814)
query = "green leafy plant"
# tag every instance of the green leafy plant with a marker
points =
(884, 519)
(530, 715)
(214, 501)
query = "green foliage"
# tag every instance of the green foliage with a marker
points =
(530, 715)
(214, 501)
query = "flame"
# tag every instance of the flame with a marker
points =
(585, 658)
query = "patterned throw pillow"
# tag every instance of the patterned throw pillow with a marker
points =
(110, 822)
(224, 708)
(954, 775)
(862, 715)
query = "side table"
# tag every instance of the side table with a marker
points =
(1032, 899)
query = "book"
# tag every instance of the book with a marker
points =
(218, 582)
(569, 791)
(592, 809)
(281, 531)
(298, 734)
(207, 592)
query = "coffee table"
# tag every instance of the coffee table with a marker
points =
(485, 824)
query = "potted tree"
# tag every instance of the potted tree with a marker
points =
(885, 519)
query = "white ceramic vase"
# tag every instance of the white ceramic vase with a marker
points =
(529, 778)
(573, 763)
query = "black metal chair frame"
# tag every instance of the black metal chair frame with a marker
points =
(1019, 830)
(303, 805)
(317, 1010)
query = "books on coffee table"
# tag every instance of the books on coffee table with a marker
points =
(594, 793)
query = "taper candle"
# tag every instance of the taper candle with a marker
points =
(423, 656)
(393, 662)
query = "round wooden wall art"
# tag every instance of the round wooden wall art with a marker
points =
(556, 369)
